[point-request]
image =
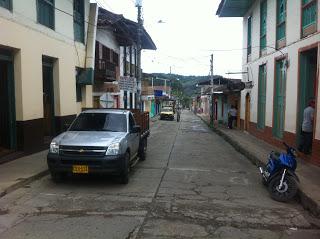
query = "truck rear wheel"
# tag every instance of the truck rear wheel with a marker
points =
(143, 149)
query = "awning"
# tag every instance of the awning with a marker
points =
(233, 8)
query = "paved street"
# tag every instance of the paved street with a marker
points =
(192, 185)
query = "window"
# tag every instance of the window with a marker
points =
(45, 13)
(249, 37)
(281, 22)
(6, 4)
(263, 26)
(309, 17)
(262, 96)
(78, 20)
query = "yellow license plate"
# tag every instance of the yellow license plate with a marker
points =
(80, 169)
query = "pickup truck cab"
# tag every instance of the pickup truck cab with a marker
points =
(98, 141)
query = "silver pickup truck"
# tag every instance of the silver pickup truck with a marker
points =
(98, 141)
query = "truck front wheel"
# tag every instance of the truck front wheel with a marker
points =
(124, 176)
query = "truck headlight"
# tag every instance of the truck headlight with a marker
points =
(113, 149)
(54, 148)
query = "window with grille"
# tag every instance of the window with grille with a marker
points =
(263, 25)
(249, 36)
(6, 4)
(281, 21)
(45, 13)
(309, 17)
(78, 20)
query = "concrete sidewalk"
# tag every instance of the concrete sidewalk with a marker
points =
(257, 151)
(19, 172)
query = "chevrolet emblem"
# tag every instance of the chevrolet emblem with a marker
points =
(81, 150)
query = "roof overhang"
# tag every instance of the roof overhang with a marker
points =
(125, 30)
(233, 8)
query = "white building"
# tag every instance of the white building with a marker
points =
(46, 68)
(281, 41)
(116, 60)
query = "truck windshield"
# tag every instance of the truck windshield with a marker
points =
(100, 122)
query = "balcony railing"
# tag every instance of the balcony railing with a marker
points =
(105, 70)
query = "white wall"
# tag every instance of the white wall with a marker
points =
(31, 40)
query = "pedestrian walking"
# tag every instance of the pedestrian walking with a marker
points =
(307, 128)
(178, 113)
(232, 115)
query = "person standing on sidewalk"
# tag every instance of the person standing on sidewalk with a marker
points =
(307, 128)
(232, 115)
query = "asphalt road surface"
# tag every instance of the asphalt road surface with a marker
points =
(192, 185)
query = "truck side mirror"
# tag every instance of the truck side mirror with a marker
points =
(136, 129)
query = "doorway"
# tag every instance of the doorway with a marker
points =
(7, 104)
(307, 84)
(247, 113)
(48, 97)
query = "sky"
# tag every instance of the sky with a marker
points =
(188, 34)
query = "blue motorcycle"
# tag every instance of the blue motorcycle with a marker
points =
(279, 175)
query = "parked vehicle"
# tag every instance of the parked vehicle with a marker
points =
(100, 141)
(167, 113)
(279, 175)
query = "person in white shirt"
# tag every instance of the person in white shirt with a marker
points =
(232, 115)
(307, 128)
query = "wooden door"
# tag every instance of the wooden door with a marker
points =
(7, 102)
(48, 97)
(247, 113)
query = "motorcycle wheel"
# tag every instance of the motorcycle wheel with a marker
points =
(287, 192)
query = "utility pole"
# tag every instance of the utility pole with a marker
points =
(212, 98)
(140, 25)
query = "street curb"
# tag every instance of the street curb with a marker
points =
(23, 182)
(306, 201)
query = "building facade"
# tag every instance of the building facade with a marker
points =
(46, 68)
(115, 84)
(281, 42)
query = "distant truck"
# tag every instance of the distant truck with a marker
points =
(100, 141)
(167, 113)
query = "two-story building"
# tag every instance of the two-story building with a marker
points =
(116, 70)
(281, 45)
(46, 68)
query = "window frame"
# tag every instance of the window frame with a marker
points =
(52, 5)
(80, 23)
(263, 3)
(281, 42)
(315, 23)
(9, 7)
(249, 43)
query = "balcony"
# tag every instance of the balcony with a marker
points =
(105, 71)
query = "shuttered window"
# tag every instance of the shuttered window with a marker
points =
(6, 4)
(249, 37)
(309, 16)
(78, 20)
(45, 13)
(262, 85)
(263, 25)
(281, 19)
